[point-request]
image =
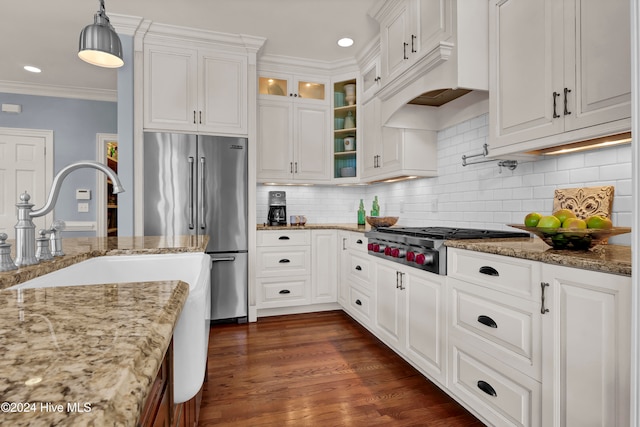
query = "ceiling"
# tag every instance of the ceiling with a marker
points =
(45, 33)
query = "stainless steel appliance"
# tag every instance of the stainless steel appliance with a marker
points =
(424, 248)
(277, 208)
(197, 185)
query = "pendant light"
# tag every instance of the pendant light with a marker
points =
(99, 42)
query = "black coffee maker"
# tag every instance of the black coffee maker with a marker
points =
(277, 208)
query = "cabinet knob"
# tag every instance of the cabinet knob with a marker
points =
(358, 268)
(359, 241)
(358, 302)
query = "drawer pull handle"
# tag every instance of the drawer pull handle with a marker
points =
(487, 321)
(284, 292)
(358, 268)
(283, 238)
(358, 302)
(489, 271)
(486, 387)
(284, 261)
(359, 241)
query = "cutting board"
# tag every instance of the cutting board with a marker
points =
(585, 201)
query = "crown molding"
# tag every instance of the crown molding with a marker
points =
(59, 91)
(125, 24)
(305, 65)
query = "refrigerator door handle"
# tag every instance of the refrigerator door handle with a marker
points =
(227, 258)
(191, 208)
(203, 224)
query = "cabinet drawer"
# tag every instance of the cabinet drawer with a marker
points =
(283, 238)
(283, 292)
(501, 325)
(504, 397)
(360, 270)
(358, 242)
(274, 262)
(510, 275)
(360, 303)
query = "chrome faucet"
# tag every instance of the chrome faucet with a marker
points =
(25, 228)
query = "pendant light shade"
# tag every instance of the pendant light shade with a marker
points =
(99, 42)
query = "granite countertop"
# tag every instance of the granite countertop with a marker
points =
(614, 259)
(83, 248)
(337, 226)
(83, 355)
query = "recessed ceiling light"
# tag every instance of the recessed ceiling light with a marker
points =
(32, 69)
(345, 42)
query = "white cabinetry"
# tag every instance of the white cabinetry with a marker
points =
(356, 295)
(392, 152)
(410, 315)
(587, 348)
(538, 344)
(283, 268)
(495, 336)
(293, 130)
(559, 72)
(324, 266)
(195, 90)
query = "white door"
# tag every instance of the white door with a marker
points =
(24, 166)
(312, 150)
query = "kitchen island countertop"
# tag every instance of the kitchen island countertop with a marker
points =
(614, 259)
(83, 355)
(86, 355)
(83, 248)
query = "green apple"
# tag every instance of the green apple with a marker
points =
(563, 215)
(599, 222)
(549, 221)
(574, 223)
(532, 219)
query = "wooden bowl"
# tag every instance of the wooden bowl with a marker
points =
(572, 238)
(382, 221)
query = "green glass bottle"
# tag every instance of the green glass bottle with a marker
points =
(375, 209)
(361, 213)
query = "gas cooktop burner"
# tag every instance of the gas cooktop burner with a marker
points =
(444, 233)
(423, 247)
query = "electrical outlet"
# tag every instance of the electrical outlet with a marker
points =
(83, 207)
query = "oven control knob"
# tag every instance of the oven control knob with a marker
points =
(398, 253)
(387, 250)
(375, 247)
(370, 246)
(411, 256)
(424, 259)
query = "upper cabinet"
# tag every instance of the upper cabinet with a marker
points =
(559, 72)
(195, 90)
(311, 90)
(293, 129)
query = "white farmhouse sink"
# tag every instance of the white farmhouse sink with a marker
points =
(191, 334)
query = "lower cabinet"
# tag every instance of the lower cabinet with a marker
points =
(410, 315)
(157, 410)
(587, 348)
(554, 350)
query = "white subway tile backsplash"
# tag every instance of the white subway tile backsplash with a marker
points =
(473, 196)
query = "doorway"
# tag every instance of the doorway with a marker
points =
(106, 201)
(26, 164)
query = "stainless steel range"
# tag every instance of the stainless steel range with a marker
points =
(424, 247)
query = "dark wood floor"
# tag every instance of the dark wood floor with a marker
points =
(320, 369)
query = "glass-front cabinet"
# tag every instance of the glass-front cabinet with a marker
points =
(304, 89)
(344, 130)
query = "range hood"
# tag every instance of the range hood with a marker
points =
(447, 69)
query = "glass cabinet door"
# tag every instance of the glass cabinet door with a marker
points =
(311, 90)
(273, 86)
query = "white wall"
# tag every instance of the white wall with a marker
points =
(476, 196)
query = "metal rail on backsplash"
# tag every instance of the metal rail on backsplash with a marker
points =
(509, 164)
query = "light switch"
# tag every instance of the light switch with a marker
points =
(83, 207)
(83, 194)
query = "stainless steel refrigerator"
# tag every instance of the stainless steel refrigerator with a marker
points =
(197, 185)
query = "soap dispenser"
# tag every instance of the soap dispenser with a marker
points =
(361, 213)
